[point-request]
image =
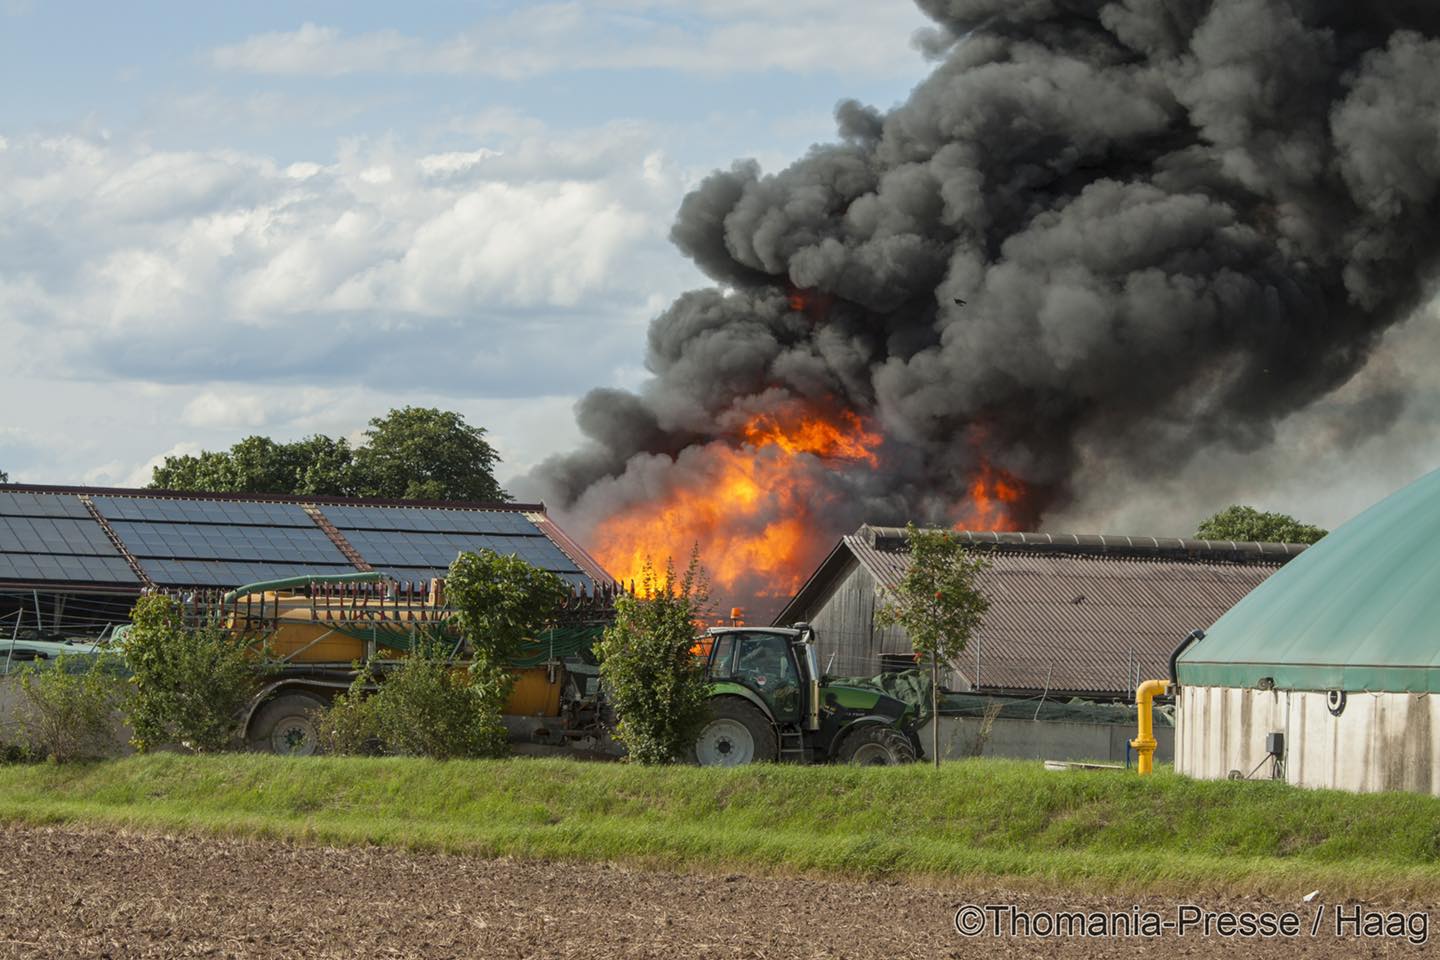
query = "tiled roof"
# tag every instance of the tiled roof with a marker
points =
(1076, 614)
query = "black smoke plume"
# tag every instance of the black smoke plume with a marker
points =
(1156, 224)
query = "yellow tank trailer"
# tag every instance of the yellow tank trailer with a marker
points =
(318, 628)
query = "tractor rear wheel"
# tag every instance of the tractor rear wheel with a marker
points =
(874, 745)
(737, 734)
(286, 725)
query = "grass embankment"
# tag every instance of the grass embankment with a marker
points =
(994, 821)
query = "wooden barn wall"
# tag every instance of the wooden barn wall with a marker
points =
(848, 640)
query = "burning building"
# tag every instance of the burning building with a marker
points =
(1102, 234)
(1070, 615)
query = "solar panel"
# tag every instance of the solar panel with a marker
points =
(439, 549)
(42, 505)
(203, 511)
(228, 542)
(430, 520)
(229, 574)
(31, 566)
(51, 535)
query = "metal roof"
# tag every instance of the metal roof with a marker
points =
(1082, 614)
(117, 540)
(1357, 612)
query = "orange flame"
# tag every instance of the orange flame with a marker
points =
(815, 304)
(751, 514)
(994, 499)
(846, 439)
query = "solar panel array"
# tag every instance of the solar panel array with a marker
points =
(220, 543)
(46, 537)
(203, 511)
(196, 542)
(417, 543)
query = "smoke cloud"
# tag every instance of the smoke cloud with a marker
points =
(1130, 229)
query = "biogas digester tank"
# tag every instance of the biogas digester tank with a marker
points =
(1338, 653)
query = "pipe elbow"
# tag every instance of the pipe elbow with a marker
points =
(1151, 689)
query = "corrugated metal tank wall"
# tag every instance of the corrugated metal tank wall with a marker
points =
(1377, 741)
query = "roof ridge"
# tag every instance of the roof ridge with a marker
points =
(326, 500)
(882, 537)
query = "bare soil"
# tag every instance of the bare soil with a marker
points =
(72, 892)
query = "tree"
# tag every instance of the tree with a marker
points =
(190, 683)
(4, 477)
(315, 465)
(410, 454)
(939, 604)
(418, 453)
(1244, 523)
(655, 683)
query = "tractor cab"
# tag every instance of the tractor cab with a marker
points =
(768, 701)
(778, 666)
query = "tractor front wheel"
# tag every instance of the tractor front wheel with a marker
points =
(736, 734)
(873, 745)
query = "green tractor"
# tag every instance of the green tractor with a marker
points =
(768, 701)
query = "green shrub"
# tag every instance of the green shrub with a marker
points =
(499, 603)
(430, 707)
(191, 683)
(17, 753)
(350, 726)
(68, 709)
(655, 683)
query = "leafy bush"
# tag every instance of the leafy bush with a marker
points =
(18, 753)
(655, 683)
(499, 602)
(191, 683)
(68, 708)
(431, 707)
(350, 726)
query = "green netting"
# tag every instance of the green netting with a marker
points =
(78, 659)
(913, 687)
(559, 643)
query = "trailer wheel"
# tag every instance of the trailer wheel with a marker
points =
(737, 734)
(874, 745)
(286, 725)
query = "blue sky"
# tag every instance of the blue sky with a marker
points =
(276, 218)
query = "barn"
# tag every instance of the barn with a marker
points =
(73, 559)
(1328, 674)
(1070, 615)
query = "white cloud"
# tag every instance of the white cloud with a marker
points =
(440, 164)
(316, 50)
(118, 260)
(800, 36)
(227, 410)
(114, 473)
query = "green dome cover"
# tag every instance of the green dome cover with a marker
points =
(1360, 610)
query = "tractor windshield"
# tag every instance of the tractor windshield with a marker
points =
(765, 664)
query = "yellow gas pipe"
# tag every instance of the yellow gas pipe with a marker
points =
(1144, 744)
